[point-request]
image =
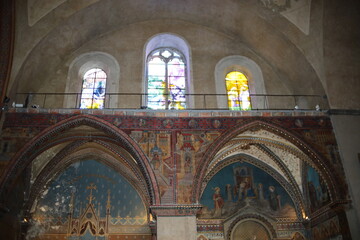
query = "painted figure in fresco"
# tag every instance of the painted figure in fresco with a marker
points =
(187, 165)
(274, 198)
(218, 202)
(244, 183)
(242, 191)
(156, 161)
(324, 193)
(180, 140)
(228, 191)
(313, 196)
(261, 191)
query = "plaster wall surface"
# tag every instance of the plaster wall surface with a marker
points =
(347, 132)
(341, 53)
(229, 28)
(183, 228)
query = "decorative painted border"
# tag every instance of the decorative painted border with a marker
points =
(33, 118)
(176, 210)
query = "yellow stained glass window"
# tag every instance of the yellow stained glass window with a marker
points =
(237, 89)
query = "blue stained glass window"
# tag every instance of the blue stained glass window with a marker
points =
(166, 79)
(93, 89)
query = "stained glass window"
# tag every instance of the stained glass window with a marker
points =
(237, 89)
(93, 89)
(166, 79)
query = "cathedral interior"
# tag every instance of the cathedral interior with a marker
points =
(169, 119)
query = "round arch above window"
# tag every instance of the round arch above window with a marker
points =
(250, 229)
(80, 66)
(249, 69)
(175, 45)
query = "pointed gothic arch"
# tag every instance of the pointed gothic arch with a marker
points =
(315, 158)
(44, 141)
(77, 151)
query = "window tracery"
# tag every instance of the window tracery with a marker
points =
(166, 79)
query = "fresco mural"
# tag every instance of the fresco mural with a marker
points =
(174, 146)
(173, 156)
(157, 147)
(89, 201)
(317, 190)
(328, 230)
(189, 148)
(242, 185)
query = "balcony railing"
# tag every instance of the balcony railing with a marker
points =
(193, 101)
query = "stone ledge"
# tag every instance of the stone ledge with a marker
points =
(176, 113)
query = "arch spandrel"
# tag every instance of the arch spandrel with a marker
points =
(43, 159)
(43, 141)
(285, 140)
(245, 148)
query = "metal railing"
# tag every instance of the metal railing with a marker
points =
(193, 101)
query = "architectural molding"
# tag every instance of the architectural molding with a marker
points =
(349, 112)
(176, 210)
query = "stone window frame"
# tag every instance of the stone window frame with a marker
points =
(169, 40)
(80, 65)
(250, 69)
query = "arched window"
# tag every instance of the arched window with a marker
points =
(84, 66)
(237, 88)
(167, 75)
(166, 79)
(242, 76)
(93, 89)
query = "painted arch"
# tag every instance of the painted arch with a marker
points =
(55, 135)
(272, 151)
